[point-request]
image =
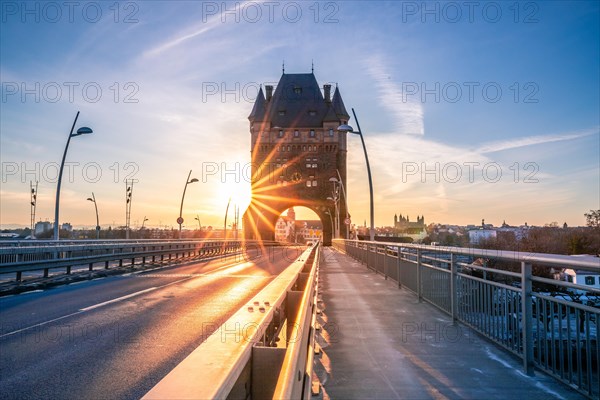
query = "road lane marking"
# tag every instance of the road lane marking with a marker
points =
(40, 324)
(92, 307)
(118, 299)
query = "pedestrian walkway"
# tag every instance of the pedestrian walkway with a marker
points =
(379, 342)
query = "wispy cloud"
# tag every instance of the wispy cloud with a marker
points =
(194, 31)
(408, 113)
(493, 147)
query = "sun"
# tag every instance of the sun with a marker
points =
(238, 192)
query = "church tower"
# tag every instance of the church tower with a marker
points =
(296, 153)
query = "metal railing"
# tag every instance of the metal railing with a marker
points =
(265, 350)
(55, 255)
(503, 296)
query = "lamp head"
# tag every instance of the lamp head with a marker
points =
(90, 199)
(345, 128)
(193, 180)
(84, 130)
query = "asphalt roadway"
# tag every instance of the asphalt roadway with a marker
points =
(116, 337)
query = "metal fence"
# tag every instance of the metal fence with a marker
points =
(506, 296)
(54, 255)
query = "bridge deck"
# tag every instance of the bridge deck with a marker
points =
(380, 342)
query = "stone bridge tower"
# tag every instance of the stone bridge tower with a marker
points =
(296, 149)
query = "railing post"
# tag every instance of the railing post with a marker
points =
(527, 317)
(385, 263)
(419, 292)
(398, 267)
(453, 294)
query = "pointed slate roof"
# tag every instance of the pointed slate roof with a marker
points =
(258, 111)
(331, 115)
(338, 105)
(297, 102)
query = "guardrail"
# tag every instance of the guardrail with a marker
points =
(498, 294)
(265, 350)
(58, 255)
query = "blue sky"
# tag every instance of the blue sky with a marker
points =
(510, 88)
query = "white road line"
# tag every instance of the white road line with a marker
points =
(118, 299)
(89, 308)
(40, 324)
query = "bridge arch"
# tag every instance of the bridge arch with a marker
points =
(260, 221)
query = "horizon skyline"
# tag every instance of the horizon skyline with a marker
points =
(464, 118)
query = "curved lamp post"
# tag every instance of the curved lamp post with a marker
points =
(335, 200)
(339, 180)
(187, 182)
(225, 223)
(143, 222)
(331, 219)
(93, 200)
(348, 129)
(81, 131)
(197, 218)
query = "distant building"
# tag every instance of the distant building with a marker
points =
(285, 227)
(477, 235)
(310, 231)
(42, 226)
(288, 229)
(403, 227)
(582, 277)
(67, 227)
(518, 231)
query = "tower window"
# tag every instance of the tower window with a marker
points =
(280, 133)
(312, 133)
(330, 132)
(281, 112)
(297, 90)
(308, 183)
(296, 134)
(312, 113)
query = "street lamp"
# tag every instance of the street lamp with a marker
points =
(187, 182)
(225, 223)
(331, 219)
(81, 131)
(198, 219)
(347, 219)
(143, 222)
(33, 202)
(348, 129)
(93, 200)
(335, 199)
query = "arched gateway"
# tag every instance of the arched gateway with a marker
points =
(297, 153)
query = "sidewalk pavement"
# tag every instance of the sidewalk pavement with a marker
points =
(379, 342)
